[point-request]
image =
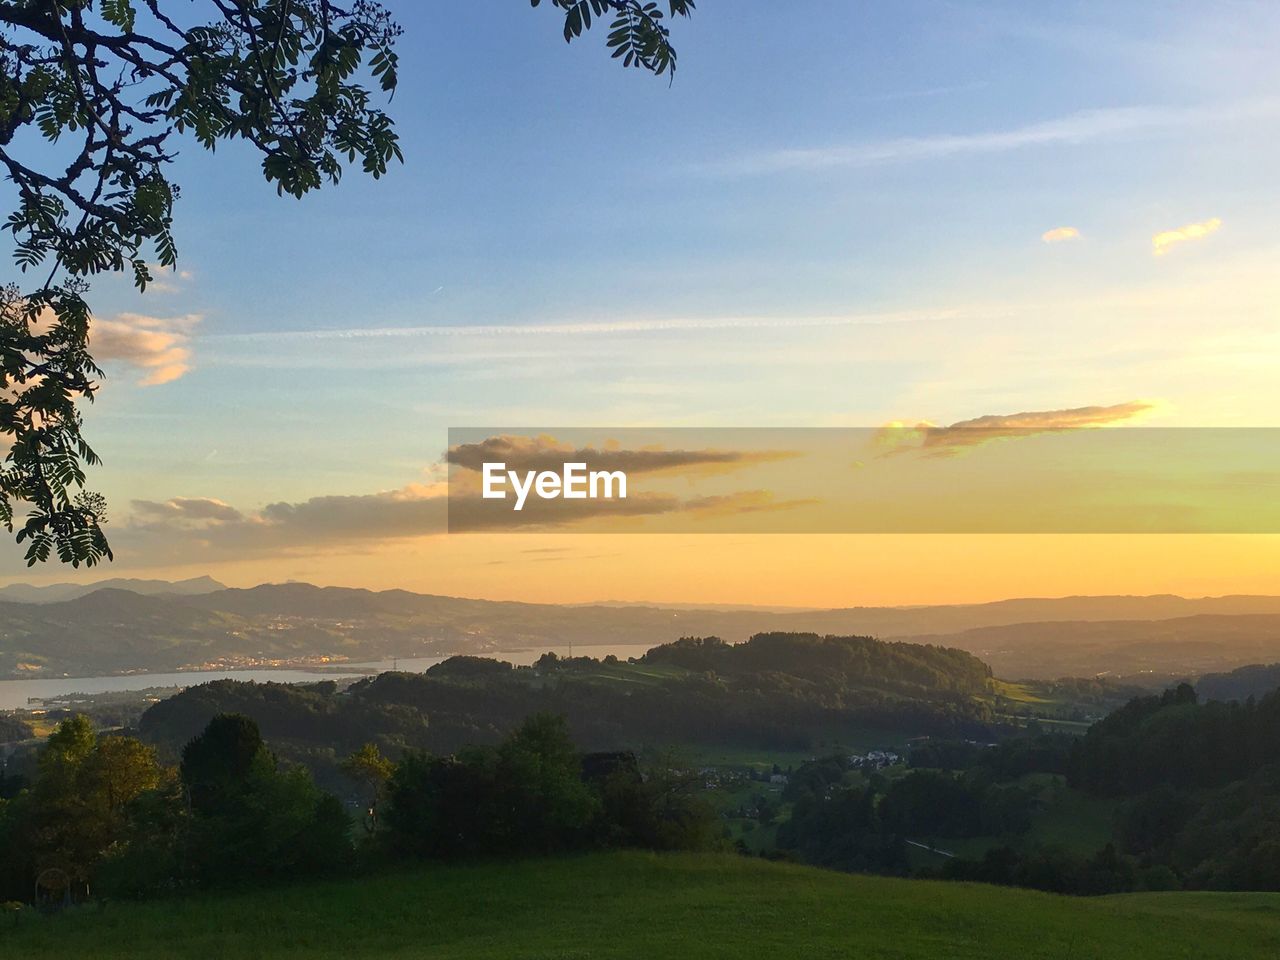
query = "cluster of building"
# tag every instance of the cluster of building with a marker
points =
(874, 760)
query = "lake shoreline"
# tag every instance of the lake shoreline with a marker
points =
(22, 692)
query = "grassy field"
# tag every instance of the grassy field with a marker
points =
(1067, 820)
(648, 906)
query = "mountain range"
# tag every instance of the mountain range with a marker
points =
(155, 625)
(56, 592)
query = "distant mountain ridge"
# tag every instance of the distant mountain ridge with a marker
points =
(889, 621)
(59, 592)
(1187, 646)
(114, 630)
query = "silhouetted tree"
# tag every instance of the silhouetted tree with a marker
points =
(222, 759)
(253, 820)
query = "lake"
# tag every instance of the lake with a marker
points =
(17, 694)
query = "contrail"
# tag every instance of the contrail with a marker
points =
(604, 327)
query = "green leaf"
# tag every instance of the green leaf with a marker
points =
(119, 13)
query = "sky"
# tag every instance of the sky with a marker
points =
(849, 215)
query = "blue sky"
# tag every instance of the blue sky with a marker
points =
(833, 216)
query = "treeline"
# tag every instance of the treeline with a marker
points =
(1174, 740)
(781, 692)
(101, 814)
(1056, 871)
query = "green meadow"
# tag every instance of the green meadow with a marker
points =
(624, 905)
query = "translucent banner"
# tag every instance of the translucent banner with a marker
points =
(898, 479)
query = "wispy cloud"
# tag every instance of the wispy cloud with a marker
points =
(1084, 127)
(945, 441)
(575, 328)
(1166, 239)
(1060, 234)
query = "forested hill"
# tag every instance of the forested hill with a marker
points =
(1254, 680)
(1198, 785)
(778, 690)
(842, 663)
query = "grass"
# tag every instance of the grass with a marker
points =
(1072, 821)
(1017, 692)
(650, 674)
(1068, 820)
(637, 905)
(730, 757)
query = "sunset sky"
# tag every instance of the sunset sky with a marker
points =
(852, 214)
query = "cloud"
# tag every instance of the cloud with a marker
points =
(949, 440)
(1077, 128)
(546, 453)
(157, 347)
(181, 522)
(1165, 239)
(1060, 234)
(182, 526)
(575, 328)
(188, 510)
(468, 511)
(409, 512)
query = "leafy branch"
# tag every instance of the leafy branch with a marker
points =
(638, 35)
(109, 88)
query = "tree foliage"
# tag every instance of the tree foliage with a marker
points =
(77, 808)
(638, 34)
(536, 794)
(102, 810)
(369, 768)
(111, 87)
(95, 98)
